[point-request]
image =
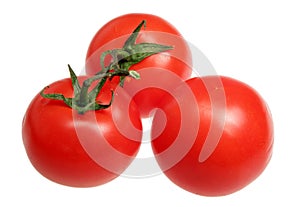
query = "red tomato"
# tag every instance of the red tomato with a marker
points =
(114, 34)
(213, 136)
(81, 150)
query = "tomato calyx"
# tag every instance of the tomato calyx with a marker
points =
(85, 100)
(131, 53)
(122, 59)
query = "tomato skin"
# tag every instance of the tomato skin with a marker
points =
(244, 147)
(114, 34)
(65, 146)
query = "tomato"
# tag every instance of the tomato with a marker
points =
(157, 30)
(213, 135)
(81, 150)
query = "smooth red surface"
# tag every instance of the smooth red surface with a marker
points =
(80, 150)
(114, 34)
(214, 166)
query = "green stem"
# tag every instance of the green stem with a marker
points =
(85, 98)
(122, 59)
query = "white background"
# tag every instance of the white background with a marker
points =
(255, 41)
